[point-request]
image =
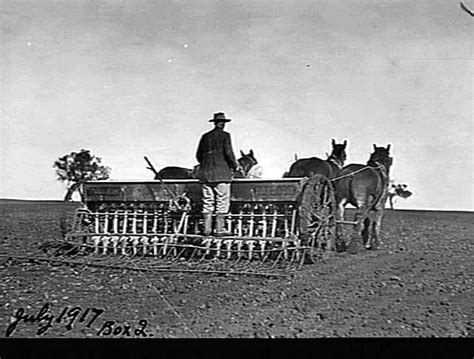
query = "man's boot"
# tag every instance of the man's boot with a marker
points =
(207, 224)
(220, 228)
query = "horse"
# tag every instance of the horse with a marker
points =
(172, 172)
(248, 163)
(366, 188)
(307, 167)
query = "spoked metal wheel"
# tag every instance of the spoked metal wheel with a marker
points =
(317, 216)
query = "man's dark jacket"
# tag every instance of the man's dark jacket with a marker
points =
(215, 156)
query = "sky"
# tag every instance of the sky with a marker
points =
(133, 78)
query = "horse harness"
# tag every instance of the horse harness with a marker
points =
(384, 176)
(335, 161)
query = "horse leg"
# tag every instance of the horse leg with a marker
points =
(376, 224)
(359, 227)
(366, 229)
(340, 241)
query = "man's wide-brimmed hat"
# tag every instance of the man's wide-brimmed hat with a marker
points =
(219, 117)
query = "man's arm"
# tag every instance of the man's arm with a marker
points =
(229, 153)
(199, 151)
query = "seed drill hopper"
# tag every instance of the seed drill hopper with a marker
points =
(276, 224)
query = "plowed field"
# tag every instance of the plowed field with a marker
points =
(418, 284)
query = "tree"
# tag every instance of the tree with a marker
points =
(397, 190)
(78, 167)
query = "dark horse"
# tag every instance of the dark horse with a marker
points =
(307, 167)
(172, 172)
(366, 188)
(247, 161)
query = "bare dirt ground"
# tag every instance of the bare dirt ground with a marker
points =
(418, 284)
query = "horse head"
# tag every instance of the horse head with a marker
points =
(247, 161)
(338, 154)
(381, 157)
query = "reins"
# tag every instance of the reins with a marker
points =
(351, 174)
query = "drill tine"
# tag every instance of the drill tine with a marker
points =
(105, 242)
(174, 245)
(145, 222)
(155, 221)
(123, 242)
(134, 222)
(251, 221)
(293, 222)
(228, 245)
(207, 245)
(144, 241)
(229, 223)
(106, 222)
(154, 245)
(283, 247)
(186, 220)
(165, 245)
(114, 241)
(96, 241)
(262, 248)
(274, 222)
(218, 247)
(251, 247)
(239, 224)
(96, 222)
(165, 222)
(125, 222)
(135, 240)
(239, 249)
(264, 223)
(115, 222)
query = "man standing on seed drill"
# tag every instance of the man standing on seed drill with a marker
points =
(217, 160)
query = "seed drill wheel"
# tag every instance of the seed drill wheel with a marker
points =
(317, 216)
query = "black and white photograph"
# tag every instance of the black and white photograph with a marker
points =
(236, 169)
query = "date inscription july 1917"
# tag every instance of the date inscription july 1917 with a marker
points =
(72, 316)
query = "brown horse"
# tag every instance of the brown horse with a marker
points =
(247, 161)
(172, 172)
(365, 187)
(307, 167)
